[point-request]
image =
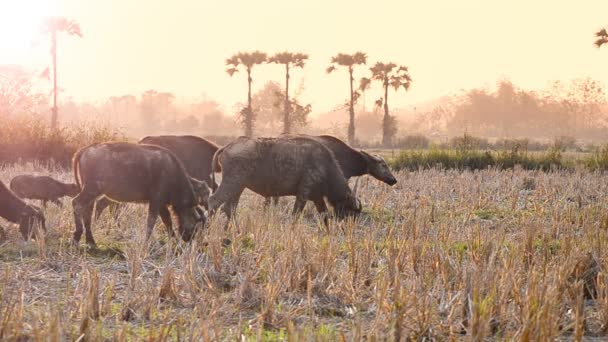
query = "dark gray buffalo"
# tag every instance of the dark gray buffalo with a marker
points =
(353, 163)
(283, 166)
(42, 188)
(194, 152)
(126, 172)
(15, 210)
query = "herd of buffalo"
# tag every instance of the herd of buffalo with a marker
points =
(176, 174)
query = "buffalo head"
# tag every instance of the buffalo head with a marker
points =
(190, 219)
(30, 217)
(378, 168)
(201, 192)
(350, 206)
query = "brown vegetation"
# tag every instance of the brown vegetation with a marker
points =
(442, 255)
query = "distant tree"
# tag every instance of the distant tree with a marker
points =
(268, 103)
(349, 61)
(389, 74)
(246, 60)
(602, 37)
(154, 107)
(52, 26)
(17, 95)
(289, 59)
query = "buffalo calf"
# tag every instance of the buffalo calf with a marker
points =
(42, 188)
(15, 210)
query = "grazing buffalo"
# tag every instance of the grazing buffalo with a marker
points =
(126, 172)
(283, 166)
(15, 210)
(42, 188)
(195, 154)
(355, 163)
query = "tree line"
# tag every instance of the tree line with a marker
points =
(389, 75)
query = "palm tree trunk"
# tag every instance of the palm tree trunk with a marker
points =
(351, 122)
(54, 54)
(286, 120)
(249, 116)
(386, 120)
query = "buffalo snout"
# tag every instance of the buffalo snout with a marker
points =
(391, 181)
(190, 220)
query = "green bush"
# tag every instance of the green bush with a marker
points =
(477, 160)
(29, 139)
(598, 161)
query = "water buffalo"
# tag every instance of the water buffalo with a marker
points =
(15, 210)
(194, 152)
(42, 188)
(282, 166)
(353, 163)
(126, 172)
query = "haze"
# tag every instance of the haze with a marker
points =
(181, 46)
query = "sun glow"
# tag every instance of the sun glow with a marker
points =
(20, 28)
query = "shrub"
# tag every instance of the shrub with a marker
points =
(467, 142)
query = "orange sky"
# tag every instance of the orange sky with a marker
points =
(181, 46)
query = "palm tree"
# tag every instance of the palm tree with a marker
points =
(395, 76)
(53, 26)
(289, 59)
(602, 37)
(247, 60)
(349, 61)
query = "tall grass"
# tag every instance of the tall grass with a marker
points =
(29, 139)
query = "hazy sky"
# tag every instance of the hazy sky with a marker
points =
(181, 46)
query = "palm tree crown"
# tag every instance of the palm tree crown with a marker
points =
(349, 61)
(248, 60)
(397, 77)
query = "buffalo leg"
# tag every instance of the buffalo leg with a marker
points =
(227, 190)
(79, 203)
(101, 205)
(165, 216)
(267, 201)
(230, 206)
(302, 196)
(322, 209)
(87, 216)
(44, 204)
(299, 205)
(153, 211)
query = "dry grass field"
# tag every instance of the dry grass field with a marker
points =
(441, 255)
